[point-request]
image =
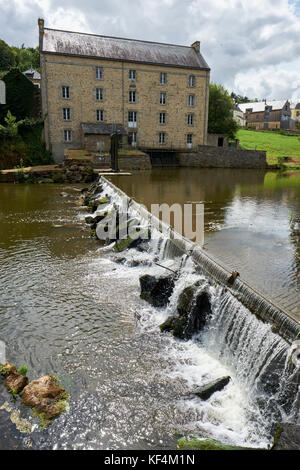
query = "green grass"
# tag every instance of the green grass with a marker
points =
(276, 145)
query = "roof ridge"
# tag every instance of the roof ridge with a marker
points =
(116, 37)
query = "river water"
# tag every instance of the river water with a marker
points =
(247, 221)
(68, 308)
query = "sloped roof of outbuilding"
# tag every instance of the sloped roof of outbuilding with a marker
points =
(129, 50)
(102, 128)
(259, 106)
(32, 73)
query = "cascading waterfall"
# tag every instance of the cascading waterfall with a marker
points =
(258, 357)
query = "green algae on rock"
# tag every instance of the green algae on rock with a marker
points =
(205, 443)
(46, 398)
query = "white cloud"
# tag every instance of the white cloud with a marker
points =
(252, 47)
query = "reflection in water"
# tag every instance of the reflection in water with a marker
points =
(247, 215)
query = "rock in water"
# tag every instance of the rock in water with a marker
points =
(16, 382)
(193, 309)
(157, 291)
(46, 397)
(287, 437)
(207, 390)
(205, 443)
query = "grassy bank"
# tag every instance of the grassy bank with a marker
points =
(276, 145)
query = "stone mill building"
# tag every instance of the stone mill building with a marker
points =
(155, 95)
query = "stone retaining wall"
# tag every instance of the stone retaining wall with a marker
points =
(134, 162)
(216, 157)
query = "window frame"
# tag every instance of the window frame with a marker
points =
(192, 116)
(135, 96)
(132, 72)
(69, 133)
(101, 111)
(68, 113)
(164, 95)
(164, 80)
(191, 98)
(63, 89)
(163, 121)
(163, 140)
(192, 81)
(101, 94)
(99, 68)
(132, 123)
(189, 139)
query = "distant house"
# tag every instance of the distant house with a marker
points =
(268, 115)
(238, 116)
(295, 110)
(34, 76)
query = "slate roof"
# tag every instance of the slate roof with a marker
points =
(129, 50)
(102, 128)
(259, 106)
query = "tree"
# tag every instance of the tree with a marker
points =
(220, 112)
(19, 95)
(7, 58)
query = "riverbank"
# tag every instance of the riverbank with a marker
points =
(283, 151)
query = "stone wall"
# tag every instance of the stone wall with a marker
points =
(134, 162)
(215, 157)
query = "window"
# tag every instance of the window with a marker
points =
(191, 100)
(189, 140)
(163, 78)
(66, 114)
(132, 97)
(99, 94)
(162, 138)
(132, 138)
(190, 119)
(99, 73)
(192, 80)
(162, 118)
(163, 98)
(65, 92)
(67, 135)
(100, 115)
(132, 75)
(132, 119)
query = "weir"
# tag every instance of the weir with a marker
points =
(177, 245)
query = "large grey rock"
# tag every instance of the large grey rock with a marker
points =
(206, 391)
(157, 291)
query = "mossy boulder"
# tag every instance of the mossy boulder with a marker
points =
(157, 291)
(204, 443)
(7, 368)
(193, 309)
(15, 380)
(15, 383)
(174, 325)
(133, 241)
(46, 397)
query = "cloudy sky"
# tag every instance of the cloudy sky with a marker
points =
(252, 46)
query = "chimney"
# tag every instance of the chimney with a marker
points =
(41, 32)
(196, 46)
